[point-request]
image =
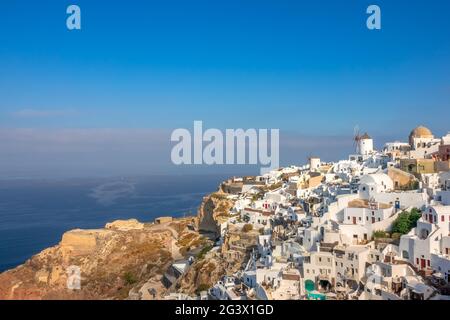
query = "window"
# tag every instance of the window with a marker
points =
(442, 218)
(405, 254)
(359, 218)
(424, 233)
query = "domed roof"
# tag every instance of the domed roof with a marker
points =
(421, 132)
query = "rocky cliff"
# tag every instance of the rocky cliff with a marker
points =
(127, 259)
(213, 211)
(227, 259)
(111, 261)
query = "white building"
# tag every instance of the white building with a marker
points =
(350, 263)
(431, 236)
(365, 143)
(319, 267)
(371, 184)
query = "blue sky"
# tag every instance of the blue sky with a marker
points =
(310, 68)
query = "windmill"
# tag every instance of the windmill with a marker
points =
(356, 138)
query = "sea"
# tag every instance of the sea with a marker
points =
(35, 213)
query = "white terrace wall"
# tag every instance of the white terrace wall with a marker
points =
(407, 199)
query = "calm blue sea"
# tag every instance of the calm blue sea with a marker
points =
(35, 213)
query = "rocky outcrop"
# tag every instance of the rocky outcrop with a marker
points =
(226, 260)
(125, 225)
(112, 262)
(81, 242)
(213, 211)
(202, 275)
(126, 258)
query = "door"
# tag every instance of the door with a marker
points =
(422, 263)
(354, 220)
(373, 220)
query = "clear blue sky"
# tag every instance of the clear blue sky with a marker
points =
(310, 67)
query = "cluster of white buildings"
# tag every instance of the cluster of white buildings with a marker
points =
(326, 228)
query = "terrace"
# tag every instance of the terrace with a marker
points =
(366, 204)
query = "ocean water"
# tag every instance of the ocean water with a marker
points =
(35, 213)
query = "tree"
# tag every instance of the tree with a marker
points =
(414, 216)
(401, 224)
(406, 221)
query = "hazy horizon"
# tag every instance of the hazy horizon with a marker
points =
(103, 100)
(94, 153)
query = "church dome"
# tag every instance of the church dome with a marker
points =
(421, 132)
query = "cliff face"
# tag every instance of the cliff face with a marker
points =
(202, 275)
(126, 259)
(213, 211)
(226, 260)
(111, 261)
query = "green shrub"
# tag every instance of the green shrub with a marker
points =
(129, 278)
(204, 251)
(406, 221)
(396, 235)
(380, 234)
(414, 216)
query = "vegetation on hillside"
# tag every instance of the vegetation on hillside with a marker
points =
(204, 251)
(129, 278)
